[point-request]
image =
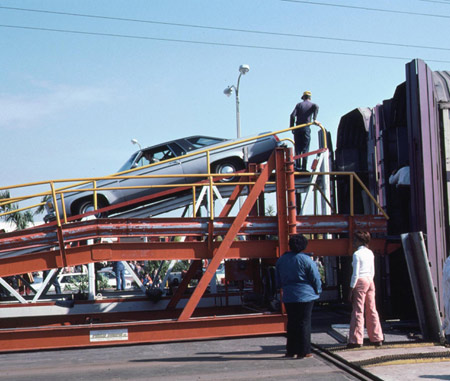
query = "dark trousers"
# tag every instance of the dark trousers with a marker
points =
(54, 282)
(299, 328)
(302, 138)
(120, 279)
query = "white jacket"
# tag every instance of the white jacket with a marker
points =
(363, 265)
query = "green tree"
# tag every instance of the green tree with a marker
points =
(20, 219)
(270, 211)
(41, 209)
(153, 266)
(4, 207)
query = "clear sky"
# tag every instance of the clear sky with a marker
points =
(71, 102)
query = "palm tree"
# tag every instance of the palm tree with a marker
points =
(4, 195)
(41, 209)
(20, 219)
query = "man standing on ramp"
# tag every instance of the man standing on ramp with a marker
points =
(302, 114)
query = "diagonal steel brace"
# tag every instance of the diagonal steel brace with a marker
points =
(228, 240)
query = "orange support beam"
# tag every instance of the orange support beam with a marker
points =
(290, 185)
(39, 239)
(126, 333)
(232, 199)
(195, 266)
(225, 245)
(283, 226)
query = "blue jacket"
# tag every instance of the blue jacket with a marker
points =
(298, 276)
(118, 266)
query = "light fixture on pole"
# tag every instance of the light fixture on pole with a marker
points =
(243, 69)
(134, 141)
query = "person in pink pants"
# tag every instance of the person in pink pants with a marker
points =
(362, 294)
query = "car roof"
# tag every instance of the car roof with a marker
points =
(182, 139)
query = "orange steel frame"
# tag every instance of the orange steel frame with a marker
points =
(183, 326)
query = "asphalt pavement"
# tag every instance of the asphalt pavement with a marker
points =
(248, 359)
(403, 357)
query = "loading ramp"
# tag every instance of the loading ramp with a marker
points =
(210, 240)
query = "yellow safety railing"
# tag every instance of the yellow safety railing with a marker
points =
(54, 192)
(353, 177)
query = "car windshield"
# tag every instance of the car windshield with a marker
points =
(128, 163)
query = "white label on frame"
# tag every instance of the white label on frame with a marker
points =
(108, 335)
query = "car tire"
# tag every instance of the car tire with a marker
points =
(88, 205)
(228, 166)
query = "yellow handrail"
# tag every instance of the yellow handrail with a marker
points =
(210, 184)
(53, 192)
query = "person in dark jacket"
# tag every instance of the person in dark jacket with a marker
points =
(302, 114)
(298, 276)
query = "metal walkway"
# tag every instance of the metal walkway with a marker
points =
(210, 240)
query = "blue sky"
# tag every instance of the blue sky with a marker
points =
(70, 103)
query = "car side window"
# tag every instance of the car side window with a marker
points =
(155, 155)
(179, 151)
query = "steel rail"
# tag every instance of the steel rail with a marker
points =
(404, 358)
(122, 227)
(394, 359)
(348, 367)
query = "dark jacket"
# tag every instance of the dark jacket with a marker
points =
(118, 266)
(298, 276)
(303, 112)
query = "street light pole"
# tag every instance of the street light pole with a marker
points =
(238, 115)
(134, 141)
(243, 69)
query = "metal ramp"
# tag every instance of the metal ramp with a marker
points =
(212, 240)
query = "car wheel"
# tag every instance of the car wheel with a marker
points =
(88, 206)
(228, 166)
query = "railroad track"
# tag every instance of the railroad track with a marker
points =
(347, 366)
(413, 353)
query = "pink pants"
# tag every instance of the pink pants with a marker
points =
(364, 301)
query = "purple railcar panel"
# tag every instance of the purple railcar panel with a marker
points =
(435, 196)
(372, 160)
(442, 91)
(379, 126)
(427, 196)
(415, 153)
(441, 81)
